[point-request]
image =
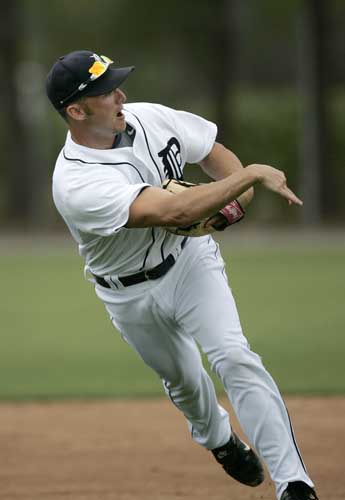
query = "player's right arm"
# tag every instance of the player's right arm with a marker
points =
(157, 207)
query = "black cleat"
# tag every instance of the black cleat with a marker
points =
(240, 462)
(299, 491)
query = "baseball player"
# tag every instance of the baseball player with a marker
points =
(146, 239)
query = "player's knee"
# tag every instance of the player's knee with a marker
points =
(191, 381)
(186, 380)
(237, 361)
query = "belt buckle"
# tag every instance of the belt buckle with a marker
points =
(147, 276)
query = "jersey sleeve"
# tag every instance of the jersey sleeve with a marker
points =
(197, 134)
(101, 206)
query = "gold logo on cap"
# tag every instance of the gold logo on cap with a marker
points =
(100, 66)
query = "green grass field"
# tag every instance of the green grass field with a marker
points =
(57, 340)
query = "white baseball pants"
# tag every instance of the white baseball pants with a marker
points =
(163, 319)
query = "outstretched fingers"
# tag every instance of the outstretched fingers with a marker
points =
(290, 196)
(275, 180)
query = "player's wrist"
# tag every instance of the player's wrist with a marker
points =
(245, 198)
(255, 171)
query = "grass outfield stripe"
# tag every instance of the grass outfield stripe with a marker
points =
(57, 341)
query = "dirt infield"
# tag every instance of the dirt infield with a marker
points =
(129, 450)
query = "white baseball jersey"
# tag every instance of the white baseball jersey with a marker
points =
(94, 188)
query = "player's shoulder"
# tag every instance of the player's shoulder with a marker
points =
(147, 107)
(78, 168)
(149, 110)
(68, 163)
(161, 115)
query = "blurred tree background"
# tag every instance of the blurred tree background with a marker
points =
(271, 74)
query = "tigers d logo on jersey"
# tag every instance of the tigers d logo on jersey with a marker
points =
(171, 158)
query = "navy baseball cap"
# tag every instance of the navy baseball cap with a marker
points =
(82, 73)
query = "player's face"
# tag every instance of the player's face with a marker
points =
(104, 112)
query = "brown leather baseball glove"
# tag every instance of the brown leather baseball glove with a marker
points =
(230, 214)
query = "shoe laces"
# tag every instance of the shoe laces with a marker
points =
(298, 490)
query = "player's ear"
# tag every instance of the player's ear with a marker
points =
(76, 111)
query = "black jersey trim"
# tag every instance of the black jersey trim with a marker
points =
(147, 144)
(162, 246)
(149, 248)
(294, 440)
(104, 163)
(113, 282)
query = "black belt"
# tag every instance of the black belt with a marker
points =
(151, 274)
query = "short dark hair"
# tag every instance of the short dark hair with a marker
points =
(63, 113)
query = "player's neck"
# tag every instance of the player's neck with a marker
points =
(92, 140)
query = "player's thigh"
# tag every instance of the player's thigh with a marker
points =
(157, 338)
(206, 308)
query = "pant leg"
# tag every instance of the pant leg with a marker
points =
(143, 316)
(207, 310)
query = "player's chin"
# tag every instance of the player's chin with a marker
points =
(120, 123)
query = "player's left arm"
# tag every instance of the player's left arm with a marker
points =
(220, 163)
